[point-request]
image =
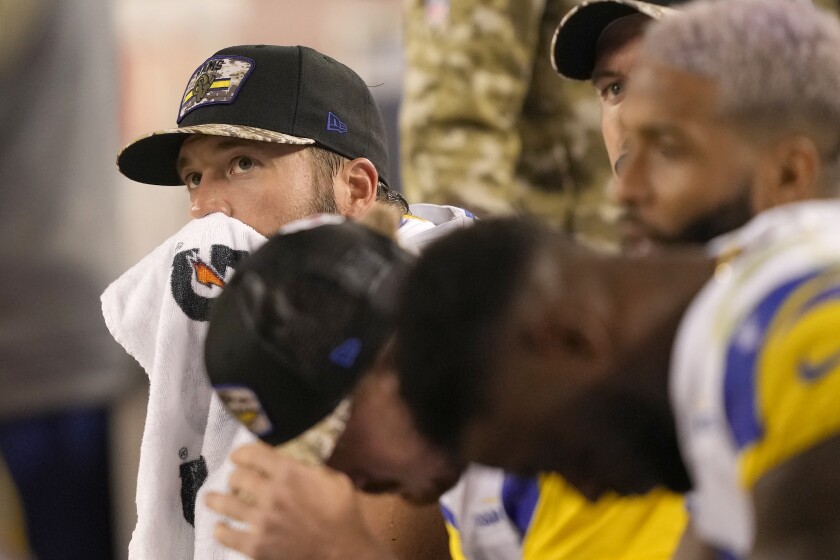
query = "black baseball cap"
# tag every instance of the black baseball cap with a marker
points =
(300, 322)
(282, 94)
(575, 40)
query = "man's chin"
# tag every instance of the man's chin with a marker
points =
(637, 246)
(639, 240)
(636, 239)
(640, 236)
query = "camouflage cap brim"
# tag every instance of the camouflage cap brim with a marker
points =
(315, 446)
(152, 159)
(575, 40)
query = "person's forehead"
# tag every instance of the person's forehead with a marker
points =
(619, 33)
(617, 62)
(657, 91)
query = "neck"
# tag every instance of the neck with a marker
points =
(663, 290)
(650, 295)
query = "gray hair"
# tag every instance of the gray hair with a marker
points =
(776, 64)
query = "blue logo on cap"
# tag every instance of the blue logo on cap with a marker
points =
(345, 354)
(334, 124)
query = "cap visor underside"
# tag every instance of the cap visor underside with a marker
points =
(573, 46)
(153, 158)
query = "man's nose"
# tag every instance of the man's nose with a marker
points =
(209, 197)
(629, 186)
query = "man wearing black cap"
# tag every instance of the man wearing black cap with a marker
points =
(289, 112)
(266, 135)
(598, 41)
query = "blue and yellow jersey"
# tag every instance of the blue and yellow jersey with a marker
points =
(492, 515)
(781, 393)
(755, 378)
(426, 223)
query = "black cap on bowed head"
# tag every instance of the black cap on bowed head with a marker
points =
(300, 322)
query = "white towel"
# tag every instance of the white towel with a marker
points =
(157, 311)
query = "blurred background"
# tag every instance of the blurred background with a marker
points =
(83, 78)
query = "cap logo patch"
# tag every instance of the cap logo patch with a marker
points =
(215, 82)
(345, 354)
(245, 406)
(334, 124)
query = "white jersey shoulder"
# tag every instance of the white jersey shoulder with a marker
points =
(475, 509)
(778, 245)
(427, 222)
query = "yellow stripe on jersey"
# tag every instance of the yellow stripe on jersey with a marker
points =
(797, 386)
(566, 526)
(410, 216)
(455, 550)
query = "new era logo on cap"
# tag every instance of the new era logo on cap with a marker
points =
(334, 124)
(345, 354)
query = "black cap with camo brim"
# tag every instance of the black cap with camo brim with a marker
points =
(268, 93)
(302, 319)
(573, 46)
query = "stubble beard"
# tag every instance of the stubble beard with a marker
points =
(727, 217)
(724, 218)
(323, 201)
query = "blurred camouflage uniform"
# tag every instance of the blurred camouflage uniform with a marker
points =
(486, 122)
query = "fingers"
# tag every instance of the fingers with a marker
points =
(289, 510)
(258, 456)
(233, 538)
(228, 505)
(248, 485)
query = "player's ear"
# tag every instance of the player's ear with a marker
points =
(356, 187)
(788, 173)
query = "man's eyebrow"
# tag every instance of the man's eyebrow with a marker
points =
(226, 144)
(601, 73)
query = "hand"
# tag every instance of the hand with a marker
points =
(292, 511)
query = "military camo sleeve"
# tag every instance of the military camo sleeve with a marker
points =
(486, 123)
